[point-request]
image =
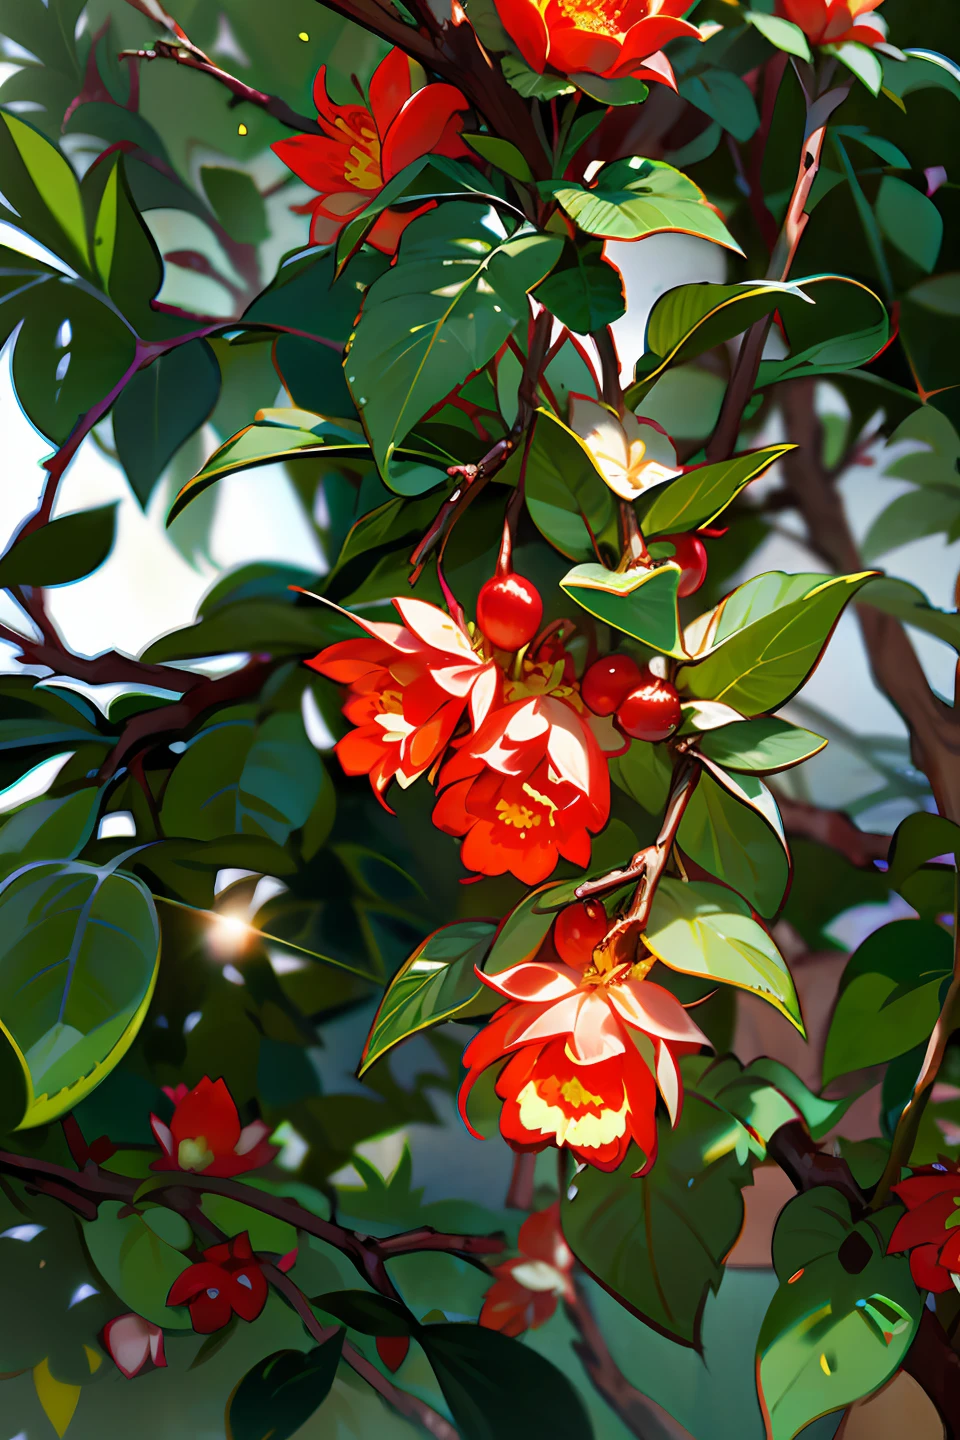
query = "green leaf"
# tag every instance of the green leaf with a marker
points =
(279, 1395)
(843, 1319)
(765, 745)
(926, 510)
(781, 33)
(71, 351)
(910, 221)
(909, 604)
(917, 840)
(500, 1389)
(79, 953)
(644, 772)
(501, 153)
(523, 931)
(861, 61)
(640, 603)
(366, 1313)
(725, 98)
(42, 188)
(624, 90)
(49, 829)
(704, 929)
(530, 84)
(126, 256)
(766, 638)
(737, 842)
(819, 1115)
(633, 198)
(698, 496)
(237, 203)
(429, 177)
(161, 408)
(569, 502)
(240, 778)
(890, 996)
(442, 311)
(659, 1242)
(436, 983)
(585, 291)
(62, 551)
(137, 1263)
(846, 327)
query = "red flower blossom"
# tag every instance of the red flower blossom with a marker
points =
(930, 1230)
(205, 1135)
(587, 1052)
(365, 146)
(227, 1281)
(532, 783)
(833, 22)
(132, 1343)
(613, 38)
(526, 1290)
(410, 685)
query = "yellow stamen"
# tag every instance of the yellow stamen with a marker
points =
(194, 1154)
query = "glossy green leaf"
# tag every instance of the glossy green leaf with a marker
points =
(644, 772)
(568, 501)
(640, 603)
(366, 1313)
(584, 291)
(125, 253)
(846, 327)
(49, 828)
(523, 931)
(781, 33)
(819, 1115)
(279, 1395)
(919, 839)
(429, 177)
(501, 153)
(137, 1263)
(41, 186)
(442, 311)
(437, 982)
(62, 551)
(843, 1318)
(629, 199)
(658, 1242)
(890, 996)
(159, 410)
(704, 929)
(500, 1389)
(726, 98)
(530, 84)
(764, 745)
(698, 496)
(861, 61)
(236, 202)
(79, 951)
(766, 638)
(910, 221)
(737, 842)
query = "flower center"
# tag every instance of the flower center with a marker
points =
(579, 1119)
(362, 167)
(600, 17)
(540, 1276)
(194, 1154)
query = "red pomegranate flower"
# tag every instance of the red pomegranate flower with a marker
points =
(410, 685)
(833, 22)
(930, 1230)
(205, 1134)
(613, 38)
(587, 1052)
(227, 1281)
(133, 1343)
(365, 146)
(527, 1289)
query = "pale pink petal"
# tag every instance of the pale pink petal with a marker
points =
(655, 1011)
(558, 1019)
(597, 1034)
(668, 1079)
(163, 1135)
(534, 982)
(435, 627)
(567, 745)
(482, 695)
(157, 1354)
(661, 67)
(457, 680)
(129, 1343)
(603, 435)
(251, 1136)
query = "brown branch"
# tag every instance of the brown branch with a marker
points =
(642, 1416)
(405, 1404)
(933, 725)
(520, 1193)
(834, 830)
(807, 1166)
(935, 1365)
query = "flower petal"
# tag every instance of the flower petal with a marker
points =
(418, 127)
(435, 628)
(654, 1010)
(391, 86)
(597, 1033)
(534, 982)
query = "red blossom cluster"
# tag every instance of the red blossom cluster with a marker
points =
(205, 1135)
(930, 1230)
(528, 1289)
(835, 22)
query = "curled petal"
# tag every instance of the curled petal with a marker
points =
(532, 981)
(391, 86)
(419, 126)
(597, 1033)
(194, 1280)
(131, 1341)
(654, 1010)
(435, 628)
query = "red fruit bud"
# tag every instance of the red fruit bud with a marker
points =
(578, 930)
(392, 1350)
(691, 555)
(509, 611)
(651, 712)
(608, 682)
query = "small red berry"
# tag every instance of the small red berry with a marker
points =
(650, 712)
(392, 1350)
(608, 682)
(691, 555)
(509, 611)
(578, 930)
